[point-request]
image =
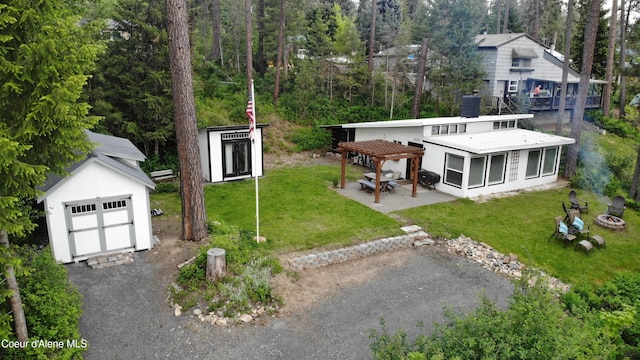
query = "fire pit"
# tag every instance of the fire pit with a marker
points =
(610, 222)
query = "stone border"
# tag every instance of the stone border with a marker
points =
(479, 252)
(107, 261)
(356, 251)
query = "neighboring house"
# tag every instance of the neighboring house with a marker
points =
(516, 63)
(102, 206)
(226, 153)
(474, 155)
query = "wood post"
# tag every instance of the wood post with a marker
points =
(216, 264)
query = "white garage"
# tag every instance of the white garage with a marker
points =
(102, 206)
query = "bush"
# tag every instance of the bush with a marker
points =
(534, 326)
(167, 187)
(52, 307)
(311, 138)
(246, 283)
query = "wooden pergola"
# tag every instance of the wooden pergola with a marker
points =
(380, 151)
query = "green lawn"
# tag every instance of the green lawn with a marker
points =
(522, 224)
(299, 210)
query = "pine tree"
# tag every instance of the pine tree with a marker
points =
(46, 54)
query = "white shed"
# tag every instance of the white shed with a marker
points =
(102, 206)
(227, 153)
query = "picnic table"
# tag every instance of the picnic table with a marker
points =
(386, 184)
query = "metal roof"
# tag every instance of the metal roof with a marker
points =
(110, 151)
(499, 140)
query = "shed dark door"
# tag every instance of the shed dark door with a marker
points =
(236, 158)
(409, 170)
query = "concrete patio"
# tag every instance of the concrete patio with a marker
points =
(399, 199)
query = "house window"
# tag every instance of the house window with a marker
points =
(504, 124)
(476, 172)
(533, 164)
(515, 160)
(435, 130)
(112, 205)
(520, 63)
(82, 209)
(497, 164)
(453, 170)
(549, 162)
(513, 86)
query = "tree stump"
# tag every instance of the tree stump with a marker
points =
(216, 264)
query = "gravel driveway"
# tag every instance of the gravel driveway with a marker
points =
(126, 315)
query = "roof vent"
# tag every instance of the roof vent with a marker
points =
(470, 106)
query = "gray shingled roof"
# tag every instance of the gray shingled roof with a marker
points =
(110, 151)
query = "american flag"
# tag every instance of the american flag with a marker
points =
(252, 118)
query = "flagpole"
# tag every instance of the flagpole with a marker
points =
(252, 132)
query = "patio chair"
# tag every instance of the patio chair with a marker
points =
(578, 204)
(577, 226)
(562, 232)
(616, 208)
(567, 216)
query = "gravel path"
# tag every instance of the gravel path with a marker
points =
(126, 315)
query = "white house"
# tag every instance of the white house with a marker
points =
(474, 155)
(102, 206)
(227, 153)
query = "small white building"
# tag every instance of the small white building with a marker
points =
(473, 155)
(102, 206)
(227, 153)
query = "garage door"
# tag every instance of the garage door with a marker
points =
(100, 225)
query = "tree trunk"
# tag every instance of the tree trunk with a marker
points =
(536, 20)
(249, 42)
(194, 218)
(261, 62)
(422, 64)
(606, 96)
(498, 12)
(633, 191)
(590, 32)
(15, 299)
(217, 32)
(565, 67)
(623, 58)
(216, 264)
(279, 64)
(372, 39)
(507, 7)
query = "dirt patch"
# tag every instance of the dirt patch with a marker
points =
(305, 289)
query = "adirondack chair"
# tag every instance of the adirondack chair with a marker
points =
(616, 208)
(561, 232)
(577, 225)
(578, 204)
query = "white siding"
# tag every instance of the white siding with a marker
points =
(213, 165)
(91, 181)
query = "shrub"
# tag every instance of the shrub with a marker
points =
(311, 138)
(52, 307)
(534, 326)
(246, 283)
(167, 187)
